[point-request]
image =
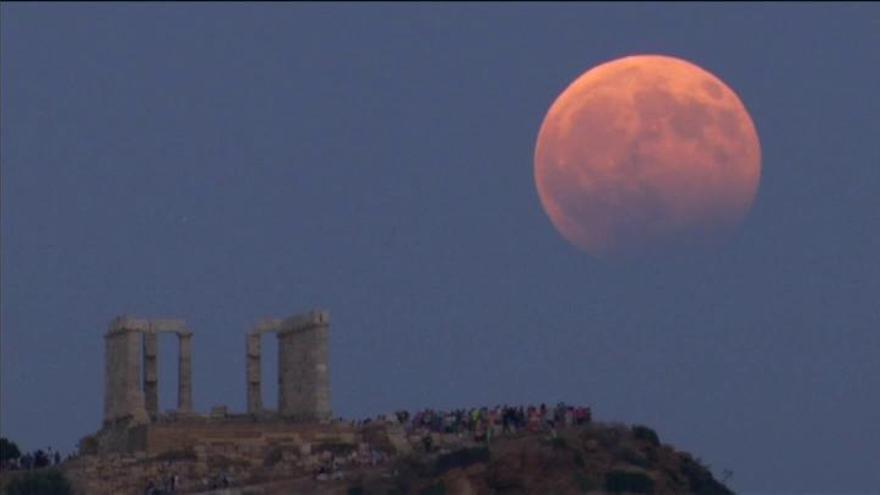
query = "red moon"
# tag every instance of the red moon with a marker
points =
(646, 152)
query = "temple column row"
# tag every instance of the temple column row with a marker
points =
(151, 373)
(132, 346)
(303, 379)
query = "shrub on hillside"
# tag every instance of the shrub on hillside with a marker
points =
(50, 482)
(646, 434)
(608, 436)
(8, 450)
(559, 443)
(461, 459)
(628, 481)
(633, 456)
(700, 478)
(435, 489)
(585, 484)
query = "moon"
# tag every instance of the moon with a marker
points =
(646, 153)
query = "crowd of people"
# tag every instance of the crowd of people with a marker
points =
(480, 424)
(484, 422)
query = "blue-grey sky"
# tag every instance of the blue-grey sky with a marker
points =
(226, 162)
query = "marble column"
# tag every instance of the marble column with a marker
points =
(303, 378)
(151, 374)
(123, 395)
(184, 370)
(253, 374)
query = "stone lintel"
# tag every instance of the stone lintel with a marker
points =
(168, 325)
(266, 325)
(122, 324)
(312, 319)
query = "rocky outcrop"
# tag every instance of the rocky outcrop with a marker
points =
(596, 459)
(379, 458)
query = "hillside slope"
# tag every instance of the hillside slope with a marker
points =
(381, 458)
(595, 458)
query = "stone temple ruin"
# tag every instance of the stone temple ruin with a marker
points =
(137, 445)
(303, 382)
(129, 343)
(131, 388)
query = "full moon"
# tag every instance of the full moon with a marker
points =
(646, 153)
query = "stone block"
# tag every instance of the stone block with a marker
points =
(267, 325)
(123, 323)
(168, 325)
(305, 321)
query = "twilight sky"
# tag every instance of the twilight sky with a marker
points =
(226, 162)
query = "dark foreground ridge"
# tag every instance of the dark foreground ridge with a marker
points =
(533, 449)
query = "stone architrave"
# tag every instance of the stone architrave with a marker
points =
(303, 378)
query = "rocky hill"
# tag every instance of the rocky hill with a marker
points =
(595, 458)
(381, 458)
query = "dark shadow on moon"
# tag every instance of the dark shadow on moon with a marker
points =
(625, 226)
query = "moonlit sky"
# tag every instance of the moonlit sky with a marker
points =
(227, 162)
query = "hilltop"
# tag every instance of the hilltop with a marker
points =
(595, 458)
(299, 447)
(386, 458)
